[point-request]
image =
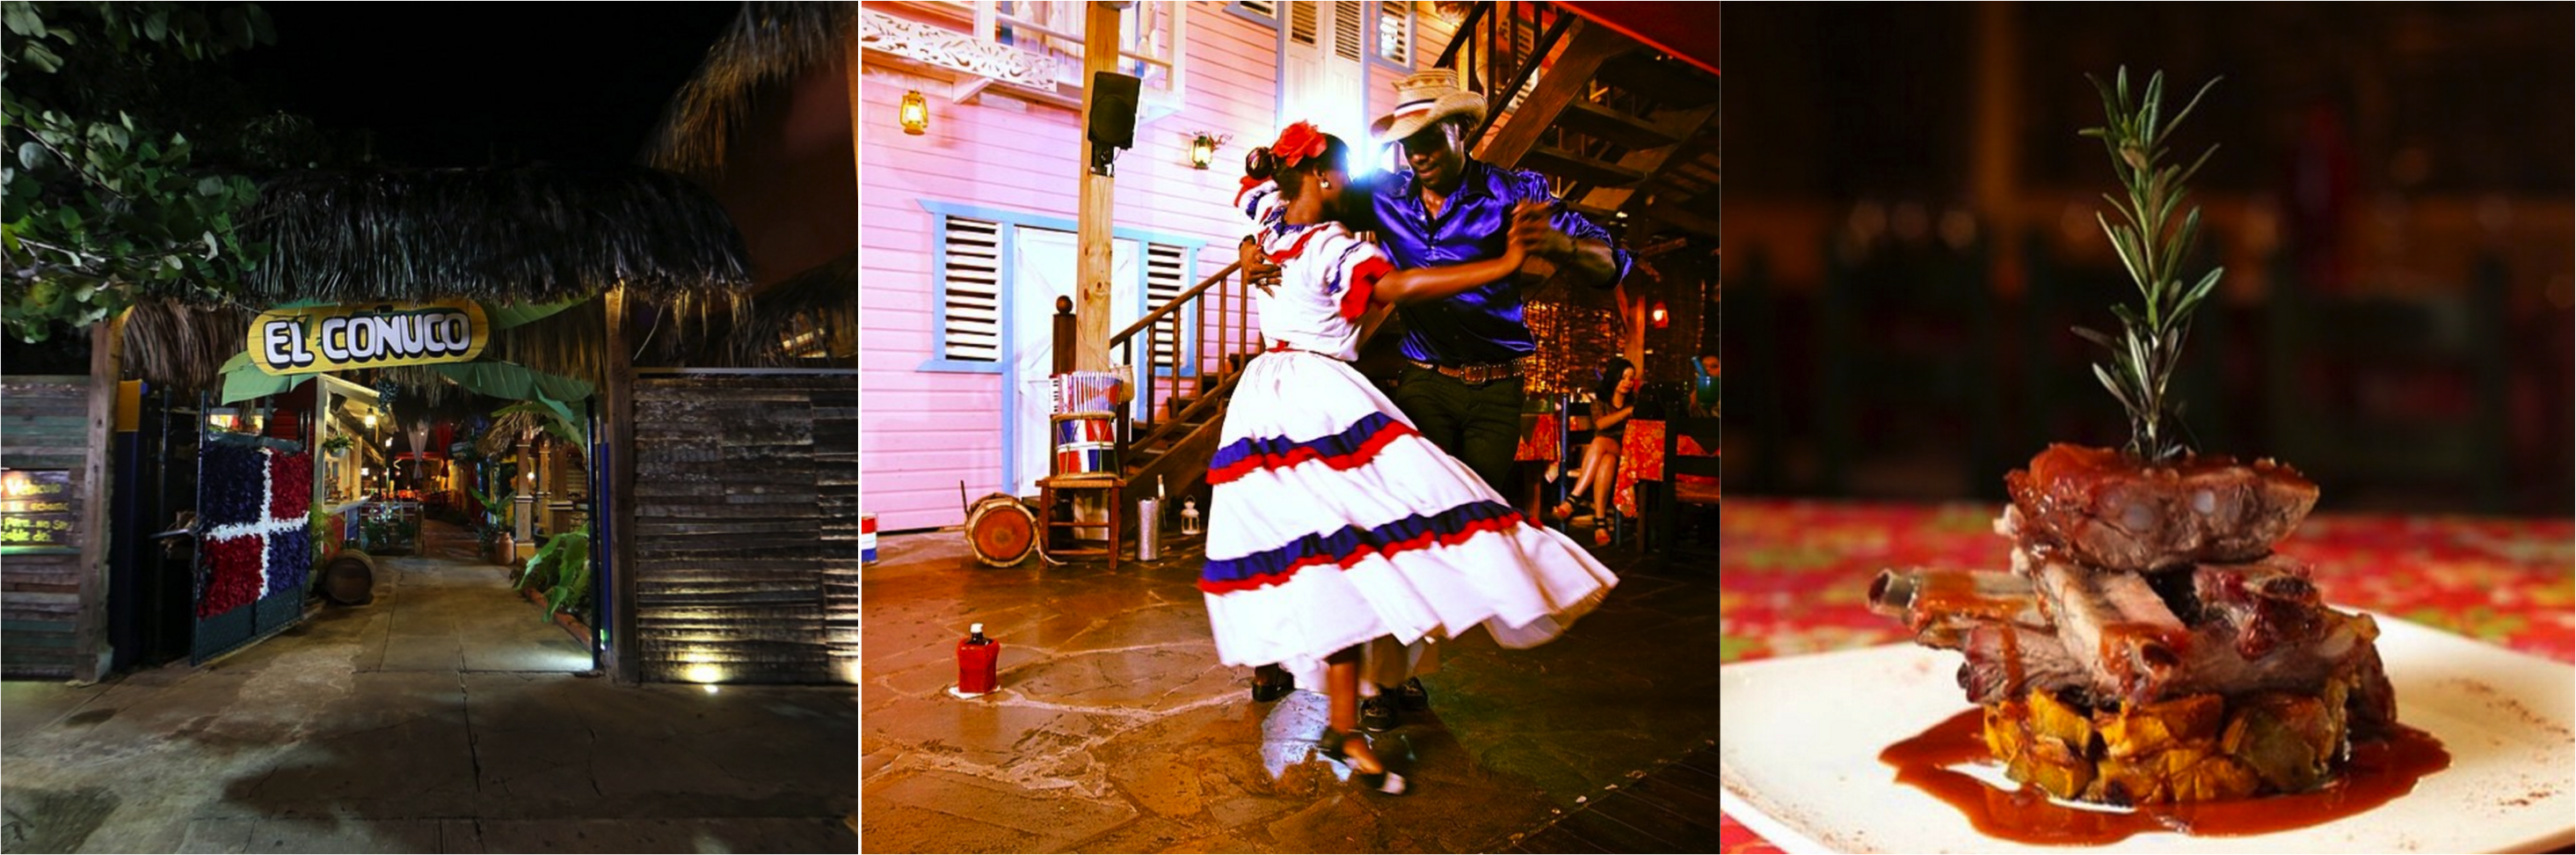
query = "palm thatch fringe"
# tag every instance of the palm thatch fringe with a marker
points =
(515, 235)
(814, 314)
(183, 346)
(572, 343)
(768, 42)
(420, 382)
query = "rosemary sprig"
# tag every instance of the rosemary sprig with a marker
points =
(2153, 249)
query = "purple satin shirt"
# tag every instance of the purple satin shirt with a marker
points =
(1482, 325)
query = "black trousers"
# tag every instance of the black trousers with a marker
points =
(1478, 424)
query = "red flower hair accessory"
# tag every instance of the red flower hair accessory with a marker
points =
(1298, 142)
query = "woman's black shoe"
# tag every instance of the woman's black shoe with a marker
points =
(1332, 745)
(1377, 714)
(1270, 683)
(1412, 697)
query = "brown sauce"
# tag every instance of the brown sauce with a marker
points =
(2380, 770)
(1948, 593)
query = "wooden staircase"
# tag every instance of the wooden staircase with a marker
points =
(1623, 133)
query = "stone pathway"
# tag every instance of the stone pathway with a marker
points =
(1117, 731)
(444, 717)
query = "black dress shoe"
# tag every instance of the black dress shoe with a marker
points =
(1412, 697)
(1377, 714)
(1270, 683)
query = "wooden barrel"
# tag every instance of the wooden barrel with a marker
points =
(350, 578)
(1001, 531)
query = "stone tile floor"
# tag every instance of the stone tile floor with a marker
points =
(1116, 730)
(444, 717)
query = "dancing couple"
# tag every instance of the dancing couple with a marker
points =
(1350, 530)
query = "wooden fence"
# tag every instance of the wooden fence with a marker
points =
(746, 527)
(44, 436)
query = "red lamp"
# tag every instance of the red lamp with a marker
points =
(1658, 315)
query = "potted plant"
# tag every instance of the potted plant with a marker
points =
(558, 577)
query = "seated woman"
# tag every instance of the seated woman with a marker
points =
(1611, 405)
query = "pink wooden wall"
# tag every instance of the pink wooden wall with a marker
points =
(923, 432)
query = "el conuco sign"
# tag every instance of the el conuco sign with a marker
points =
(330, 338)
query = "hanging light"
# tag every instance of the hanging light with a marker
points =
(371, 421)
(1203, 148)
(1659, 316)
(915, 113)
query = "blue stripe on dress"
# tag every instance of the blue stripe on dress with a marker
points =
(1330, 445)
(1275, 565)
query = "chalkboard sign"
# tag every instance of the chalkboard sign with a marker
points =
(36, 508)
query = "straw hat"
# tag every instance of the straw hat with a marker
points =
(1424, 98)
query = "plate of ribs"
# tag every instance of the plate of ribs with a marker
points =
(2148, 667)
(2145, 671)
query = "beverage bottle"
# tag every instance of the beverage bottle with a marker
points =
(977, 657)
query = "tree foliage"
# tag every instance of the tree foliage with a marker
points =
(109, 195)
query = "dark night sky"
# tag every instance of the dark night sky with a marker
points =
(442, 84)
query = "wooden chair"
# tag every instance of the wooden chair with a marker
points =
(1685, 518)
(1057, 492)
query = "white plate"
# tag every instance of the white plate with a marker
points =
(1799, 738)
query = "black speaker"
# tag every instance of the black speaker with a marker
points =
(1113, 109)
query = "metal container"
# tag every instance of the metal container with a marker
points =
(1149, 529)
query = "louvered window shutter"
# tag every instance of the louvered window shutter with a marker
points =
(1166, 276)
(1394, 33)
(1346, 31)
(974, 287)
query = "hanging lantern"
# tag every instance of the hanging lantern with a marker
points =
(1658, 316)
(916, 113)
(1203, 149)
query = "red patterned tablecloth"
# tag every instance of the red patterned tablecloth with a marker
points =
(1793, 575)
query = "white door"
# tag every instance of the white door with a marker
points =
(1044, 266)
(1323, 65)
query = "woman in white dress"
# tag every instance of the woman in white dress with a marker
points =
(1337, 534)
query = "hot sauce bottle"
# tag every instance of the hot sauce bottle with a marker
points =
(976, 660)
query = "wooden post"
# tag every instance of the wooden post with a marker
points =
(90, 650)
(625, 654)
(857, 108)
(1091, 318)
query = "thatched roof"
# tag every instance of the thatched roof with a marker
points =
(768, 43)
(527, 234)
(181, 345)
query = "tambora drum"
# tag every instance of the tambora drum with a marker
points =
(867, 538)
(1001, 531)
(1086, 443)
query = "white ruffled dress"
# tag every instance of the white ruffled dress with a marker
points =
(1334, 523)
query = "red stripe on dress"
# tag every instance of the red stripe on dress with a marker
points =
(1421, 541)
(1296, 248)
(1355, 458)
(1364, 277)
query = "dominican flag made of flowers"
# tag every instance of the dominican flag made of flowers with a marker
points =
(253, 505)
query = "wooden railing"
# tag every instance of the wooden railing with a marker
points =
(1499, 47)
(1157, 383)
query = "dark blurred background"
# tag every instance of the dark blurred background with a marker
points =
(1910, 232)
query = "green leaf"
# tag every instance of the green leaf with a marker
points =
(22, 20)
(33, 157)
(505, 317)
(44, 60)
(157, 27)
